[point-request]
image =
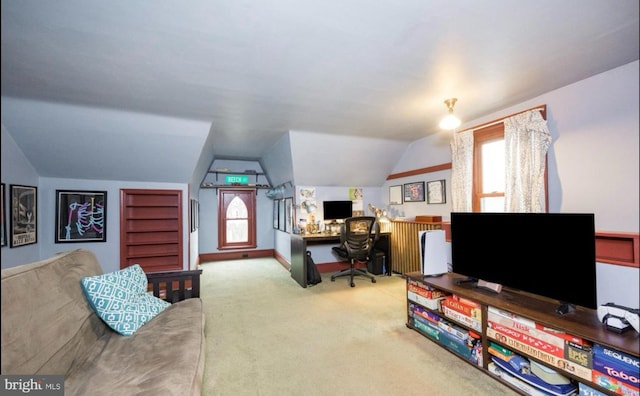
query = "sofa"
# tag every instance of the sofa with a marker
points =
(50, 328)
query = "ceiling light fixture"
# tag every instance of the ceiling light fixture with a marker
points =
(450, 121)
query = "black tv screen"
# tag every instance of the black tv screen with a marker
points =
(549, 254)
(337, 210)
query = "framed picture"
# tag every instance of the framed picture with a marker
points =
(4, 218)
(276, 214)
(414, 192)
(395, 195)
(288, 214)
(436, 193)
(193, 215)
(281, 215)
(24, 212)
(81, 216)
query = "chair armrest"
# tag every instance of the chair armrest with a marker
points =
(174, 286)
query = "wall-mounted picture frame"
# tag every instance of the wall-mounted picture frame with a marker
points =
(288, 214)
(436, 192)
(81, 216)
(276, 213)
(194, 215)
(4, 218)
(395, 195)
(281, 215)
(24, 215)
(414, 192)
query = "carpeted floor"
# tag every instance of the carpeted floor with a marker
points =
(267, 336)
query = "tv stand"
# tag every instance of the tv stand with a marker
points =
(505, 319)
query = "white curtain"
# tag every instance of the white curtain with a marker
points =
(462, 171)
(527, 140)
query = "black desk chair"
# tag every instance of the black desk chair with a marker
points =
(358, 236)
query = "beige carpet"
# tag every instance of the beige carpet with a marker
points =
(266, 336)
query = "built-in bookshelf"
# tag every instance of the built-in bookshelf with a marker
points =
(493, 331)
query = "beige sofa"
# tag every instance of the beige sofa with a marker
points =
(48, 327)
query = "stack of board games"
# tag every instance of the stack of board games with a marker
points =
(530, 376)
(616, 371)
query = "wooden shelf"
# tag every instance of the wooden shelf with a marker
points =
(221, 172)
(242, 186)
(215, 184)
(582, 323)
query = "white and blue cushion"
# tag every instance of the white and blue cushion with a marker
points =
(121, 300)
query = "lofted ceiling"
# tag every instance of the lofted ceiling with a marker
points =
(148, 90)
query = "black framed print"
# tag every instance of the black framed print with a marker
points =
(24, 215)
(193, 215)
(436, 193)
(414, 192)
(288, 214)
(81, 216)
(4, 218)
(281, 215)
(276, 213)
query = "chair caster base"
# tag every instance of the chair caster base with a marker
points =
(353, 284)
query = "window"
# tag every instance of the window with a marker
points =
(488, 169)
(236, 218)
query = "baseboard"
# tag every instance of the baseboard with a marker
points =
(237, 255)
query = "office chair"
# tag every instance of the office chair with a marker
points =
(358, 236)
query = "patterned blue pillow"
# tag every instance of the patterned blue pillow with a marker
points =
(121, 300)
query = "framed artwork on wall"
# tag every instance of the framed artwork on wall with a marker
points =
(288, 214)
(395, 195)
(436, 193)
(24, 215)
(193, 215)
(4, 218)
(414, 192)
(281, 215)
(81, 216)
(276, 214)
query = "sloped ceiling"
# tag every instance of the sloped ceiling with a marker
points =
(147, 90)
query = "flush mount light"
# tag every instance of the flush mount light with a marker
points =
(450, 121)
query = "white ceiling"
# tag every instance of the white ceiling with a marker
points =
(80, 76)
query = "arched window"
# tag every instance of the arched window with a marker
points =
(236, 219)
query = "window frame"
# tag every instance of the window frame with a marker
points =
(225, 196)
(482, 136)
(490, 132)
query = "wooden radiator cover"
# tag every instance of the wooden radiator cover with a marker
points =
(405, 250)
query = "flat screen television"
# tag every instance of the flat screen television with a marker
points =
(337, 210)
(549, 254)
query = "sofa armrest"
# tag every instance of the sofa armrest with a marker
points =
(174, 286)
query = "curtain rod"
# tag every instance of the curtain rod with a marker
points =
(542, 108)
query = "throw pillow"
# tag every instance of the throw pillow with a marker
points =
(121, 300)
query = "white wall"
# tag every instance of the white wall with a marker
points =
(593, 163)
(330, 160)
(593, 167)
(108, 252)
(208, 231)
(322, 253)
(16, 169)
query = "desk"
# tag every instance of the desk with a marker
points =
(299, 245)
